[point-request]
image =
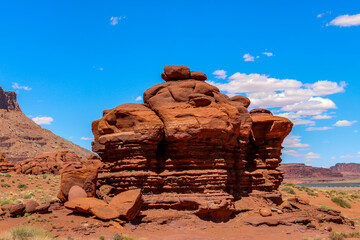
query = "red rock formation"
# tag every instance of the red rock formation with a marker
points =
(301, 171)
(347, 169)
(84, 177)
(51, 162)
(21, 138)
(5, 166)
(190, 146)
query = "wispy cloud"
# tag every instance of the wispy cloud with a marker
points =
(323, 14)
(346, 20)
(351, 156)
(43, 120)
(292, 153)
(139, 98)
(318, 128)
(293, 141)
(17, 86)
(115, 20)
(248, 58)
(322, 117)
(220, 74)
(86, 138)
(269, 54)
(344, 123)
(312, 155)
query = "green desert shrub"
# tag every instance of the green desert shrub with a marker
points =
(341, 202)
(288, 190)
(22, 186)
(29, 233)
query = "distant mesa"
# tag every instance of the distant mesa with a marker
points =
(190, 146)
(21, 138)
(303, 172)
(347, 169)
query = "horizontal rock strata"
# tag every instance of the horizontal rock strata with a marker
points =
(190, 146)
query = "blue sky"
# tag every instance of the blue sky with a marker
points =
(69, 60)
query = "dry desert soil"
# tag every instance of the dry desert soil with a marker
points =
(166, 224)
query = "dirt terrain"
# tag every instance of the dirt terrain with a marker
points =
(166, 224)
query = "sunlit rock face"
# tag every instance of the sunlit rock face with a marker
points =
(190, 146)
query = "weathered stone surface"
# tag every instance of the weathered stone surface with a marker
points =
(175, 72)
(21, 138)
(49, 162)
(30, 206)
(198, 75)
(85, 178)
(265, 212)
(104, 212)
(43, 208)
(76, 192)
(17, 209)
(190, 147)
(5, 166)
(83, 205)
(128, 204)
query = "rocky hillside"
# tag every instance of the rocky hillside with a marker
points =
(347, 168)
(21, 138)
(301, 171)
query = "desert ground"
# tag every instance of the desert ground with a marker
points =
(62, 223)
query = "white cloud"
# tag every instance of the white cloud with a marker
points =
(294, 142)
(355, 131)
(291, 153)
(346, 20)
(139, 98)
(303, 122)
(101, 69)
(115, 20)
(43, 120)
(300, 102)
(221, 74)
(86, 138)
(17, 86)
(314, 103)
(245, 83)
(344, 123)
(322, 117)
(248, 58)
(351, 156)
(318, 128)
(324, 87)
(269, 54)
(312, 155)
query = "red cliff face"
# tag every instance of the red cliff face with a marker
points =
(300, 171)
(21, 138)
(190, 146)
(8, 101)
(347, 168)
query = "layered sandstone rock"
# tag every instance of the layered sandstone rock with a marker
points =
(52, 162)
(190, 146)
(21, 138)
(5, 166)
